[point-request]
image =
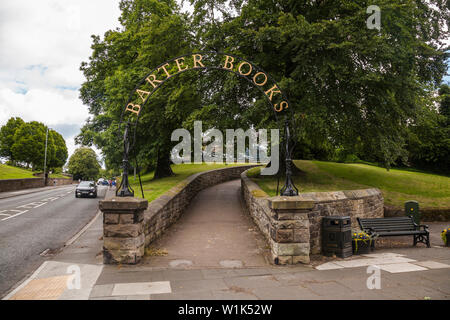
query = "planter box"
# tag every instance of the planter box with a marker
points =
(448, 239)
(361, 247)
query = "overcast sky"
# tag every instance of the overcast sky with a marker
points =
(42, 44)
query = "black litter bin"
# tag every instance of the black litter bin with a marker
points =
(337, 236)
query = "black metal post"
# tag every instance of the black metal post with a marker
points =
(125, 188)
(289, 188)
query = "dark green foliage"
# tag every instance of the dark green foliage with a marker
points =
(7, 137)
(360, 92)
(429, 137)
(83, 164)
(24, 143)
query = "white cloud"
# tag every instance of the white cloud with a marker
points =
(42, 46)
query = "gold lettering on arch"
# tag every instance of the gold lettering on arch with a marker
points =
(228, 63)
(240, 68)
(256, 76)
(153, 81)
(283, 106)
(259, 79)
(142, 94)
(180, 64)
(165, 70)
(135, 108)
(272, 91)
(198, 60)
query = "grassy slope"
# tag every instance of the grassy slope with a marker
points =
(397, 185)
(10, 172)
(154, 188)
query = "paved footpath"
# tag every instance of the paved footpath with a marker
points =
(183, 264)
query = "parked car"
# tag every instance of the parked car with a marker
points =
(87, 189)
(102, 182)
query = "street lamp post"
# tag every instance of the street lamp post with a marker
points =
(125, 188)
(45, 157)
(289, 189)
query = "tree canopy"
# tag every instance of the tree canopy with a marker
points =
(24, 143)
(83, 164)
(7, 137)
(353, 90)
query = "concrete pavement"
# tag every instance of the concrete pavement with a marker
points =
(35, 225)
(214, 231)
(404, 272)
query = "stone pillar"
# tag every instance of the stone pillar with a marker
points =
(123, 229)
(290, 230)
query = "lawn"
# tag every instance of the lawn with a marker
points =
(396, 185)
(154, 188)
(10, 172)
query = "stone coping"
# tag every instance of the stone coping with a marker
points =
(123, 203)
(293, 225)
(306, 200)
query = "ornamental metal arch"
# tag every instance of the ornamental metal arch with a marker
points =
(206, 60)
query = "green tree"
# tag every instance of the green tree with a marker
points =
(350, 87)
(152, 31)
(7, 137)
(61, 154)
(83, 164)
(429, 142)
(444, 104)
(429, 136)
(29, 145)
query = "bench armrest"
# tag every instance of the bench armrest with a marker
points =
(424, 226)
(369, 230)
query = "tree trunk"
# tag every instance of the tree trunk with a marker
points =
(282, 168)
(163, 168)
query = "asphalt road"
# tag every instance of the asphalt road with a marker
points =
(32, 223)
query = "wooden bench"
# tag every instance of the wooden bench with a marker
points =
(398, 226)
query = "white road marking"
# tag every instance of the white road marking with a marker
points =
(49, 199)
(4, 214)
(17, 214)
(33, 205)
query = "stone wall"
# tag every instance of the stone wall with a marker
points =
(426, 214)
(292, 225)
(20, 184)
(59, 181)
(126, 233)
(28, 183)
(123, 229)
